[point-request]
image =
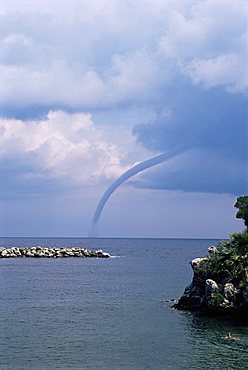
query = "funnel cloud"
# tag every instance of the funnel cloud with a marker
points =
(140, 167)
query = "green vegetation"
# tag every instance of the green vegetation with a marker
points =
(216, 300)
(242, 205)
(228, 261)
(220, 282)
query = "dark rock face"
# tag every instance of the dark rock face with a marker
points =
(214, 297)
(38, 252)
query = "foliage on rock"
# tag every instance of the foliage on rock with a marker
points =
(242, 205)
(216, 300)
(220, 281)
(228, 262)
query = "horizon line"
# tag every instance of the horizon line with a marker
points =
(110, 237)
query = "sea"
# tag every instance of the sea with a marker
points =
(110, 314)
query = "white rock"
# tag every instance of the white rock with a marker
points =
(4, 253)
(102, 254)
(196, 261)
(212, 249)
(229, 291)
(211, 286)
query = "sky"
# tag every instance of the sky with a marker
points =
(89, 89)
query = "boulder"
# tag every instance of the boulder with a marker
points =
(212, 249)
(102, 254)
(5, 253)
(211, 287)
(29, 254)
(229, 292)
(196, 261)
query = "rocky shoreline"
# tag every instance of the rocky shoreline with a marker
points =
(220, 280)
(51, 252)
(224, 296)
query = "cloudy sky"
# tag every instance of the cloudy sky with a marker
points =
(90, 88)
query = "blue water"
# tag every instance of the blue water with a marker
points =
(78, 313)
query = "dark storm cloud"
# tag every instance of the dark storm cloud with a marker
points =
(212, 126)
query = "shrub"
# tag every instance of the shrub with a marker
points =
(229, 261)
(216, 300)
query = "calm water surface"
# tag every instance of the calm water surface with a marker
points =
(107, 313)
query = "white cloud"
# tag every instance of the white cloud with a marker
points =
(224, 70)
(133, 77)
(63, 147)
(90, 55)
(209, 43)
(129, 78)
(57, 84)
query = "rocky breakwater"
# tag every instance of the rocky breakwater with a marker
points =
(220, 280)
(38, 252)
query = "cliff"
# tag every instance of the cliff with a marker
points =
(220, 280)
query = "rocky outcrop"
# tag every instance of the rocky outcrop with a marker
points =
(216, 297)
(38, 252)
(220, 280)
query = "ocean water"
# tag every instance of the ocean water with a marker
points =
(108, 314)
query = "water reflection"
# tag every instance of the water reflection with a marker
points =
(209, 348)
